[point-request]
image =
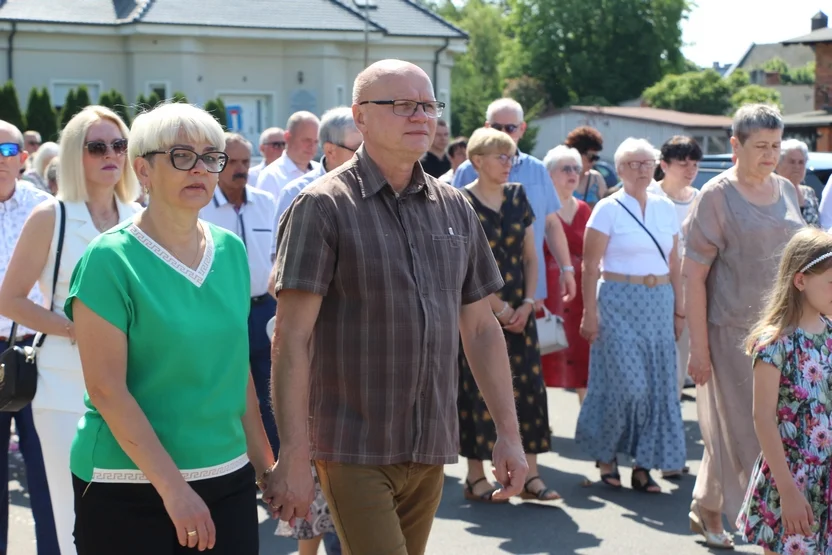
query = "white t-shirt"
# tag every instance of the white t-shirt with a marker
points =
(682, 211)
(630, 250)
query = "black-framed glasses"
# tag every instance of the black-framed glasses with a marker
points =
(185, 159)
(407, 108)
(100, 148)
(277, 144)
(7, 150)
(507, 127)
(345, 147)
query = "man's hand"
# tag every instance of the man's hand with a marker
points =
(290, 489)
(568, 289)
(510, 466)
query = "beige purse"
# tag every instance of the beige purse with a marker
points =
(551, 335)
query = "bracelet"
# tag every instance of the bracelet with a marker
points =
(680, 316)
(503, 311)
(568, 269)
(261, 481)
(529, 300)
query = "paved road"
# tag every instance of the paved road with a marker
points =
(592, 520)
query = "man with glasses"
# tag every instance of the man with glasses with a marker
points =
(301, 147)
(380, 270)
(17, 200)
(272, 145)
(249, 212)
(506, 115)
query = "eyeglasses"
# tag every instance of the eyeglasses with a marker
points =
(503, 158)
(593, 157)
(277, 144)
(185, 159)
(508, 127)
(33, 143)
(99, 148)
(636, 165)
(407, 108)
(7, 150)
(570, 169)
(345, 147)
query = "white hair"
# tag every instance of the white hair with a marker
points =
(794, 144)
(335, 124)
(237, 138)
(755, 117)
(634, 146)
(264, 136)
(504, 104)
(559, 154)
(11, 128)
(43, 156)
(165, 125)
(299, 118)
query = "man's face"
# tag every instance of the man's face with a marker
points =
(506, 120)
(235, 173)
(10, 166)
(274, 146)
(302, 142)
(31, 143)
(338, 155)
(441, 138)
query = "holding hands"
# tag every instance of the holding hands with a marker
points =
(289, 488)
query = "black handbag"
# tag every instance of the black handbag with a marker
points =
(18, 365)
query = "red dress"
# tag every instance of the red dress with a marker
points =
(568, 368)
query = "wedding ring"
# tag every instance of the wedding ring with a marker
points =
(192, 533)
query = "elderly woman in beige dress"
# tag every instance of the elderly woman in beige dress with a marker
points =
(740, 223)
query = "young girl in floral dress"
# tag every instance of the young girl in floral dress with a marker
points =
(786, 507)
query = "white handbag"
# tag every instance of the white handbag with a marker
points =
(270, 327)
(551, 334)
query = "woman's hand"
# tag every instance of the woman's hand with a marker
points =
(191, 518)
(519, 319)
(796, 512)
(699, 366)
(589, 327)
(506, 315)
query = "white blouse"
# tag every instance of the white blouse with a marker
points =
(630, 250)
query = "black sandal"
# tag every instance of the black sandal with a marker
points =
(540, 495)
(645, 486)
(485, 497)
(614, 475)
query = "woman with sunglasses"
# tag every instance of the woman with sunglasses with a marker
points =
(167, 452)
(589, 142)
(97, 190)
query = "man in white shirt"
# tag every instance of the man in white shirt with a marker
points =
(272, 145)
(296, 160)
(249, 212)
(17, 200)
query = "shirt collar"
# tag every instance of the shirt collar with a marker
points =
(288, 163)
(371, 180)
(221, 200)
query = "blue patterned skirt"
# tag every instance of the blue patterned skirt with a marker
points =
(632, 404)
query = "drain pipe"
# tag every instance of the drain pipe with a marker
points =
(436, 62)
(10, 51)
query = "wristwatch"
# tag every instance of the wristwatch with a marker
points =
(568, 269)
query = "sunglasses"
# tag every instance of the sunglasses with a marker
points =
(508, 128)
(570, 169)
(593, 157)
(277, 144)
(7, 150)
(100, 148)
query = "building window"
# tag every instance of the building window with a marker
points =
(61, 88)
(161, 88)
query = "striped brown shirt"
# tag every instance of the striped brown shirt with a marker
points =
(393, 270)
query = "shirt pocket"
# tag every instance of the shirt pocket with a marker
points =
(450, 259)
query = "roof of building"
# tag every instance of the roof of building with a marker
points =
(657, 115)
(815, 118)
(818, 35)
(391, 17)
(758, 54)
(795, 98)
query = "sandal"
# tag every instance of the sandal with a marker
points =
(544, 494)
(675, 474)
(644, 486)
(723, 540)
(485, 497)
(612, 475)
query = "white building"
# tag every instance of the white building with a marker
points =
(265, 58)
(617, 123)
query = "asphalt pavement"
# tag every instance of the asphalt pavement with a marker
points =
(592, 519)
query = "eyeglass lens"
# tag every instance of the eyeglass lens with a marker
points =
(185, 160)
(508, 128)
(100, 148)
(408, 108)
(9, 149)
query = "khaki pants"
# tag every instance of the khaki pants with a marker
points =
(382, 510)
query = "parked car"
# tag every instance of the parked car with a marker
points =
(607, 171)
(818, 169)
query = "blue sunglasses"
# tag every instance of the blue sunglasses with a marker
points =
(9, 149)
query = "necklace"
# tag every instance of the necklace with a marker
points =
(196, 254)
(106, 223)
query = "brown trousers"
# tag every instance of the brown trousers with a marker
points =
(382, 510)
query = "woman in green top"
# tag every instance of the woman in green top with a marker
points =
(167, 453)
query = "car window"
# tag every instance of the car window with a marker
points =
(815, 182)
(705, 175)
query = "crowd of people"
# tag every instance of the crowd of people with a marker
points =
(404, 274)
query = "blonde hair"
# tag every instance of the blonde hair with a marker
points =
(784, 302)
(72, 144)
(486, 140)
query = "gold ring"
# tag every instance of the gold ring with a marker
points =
(192, 533)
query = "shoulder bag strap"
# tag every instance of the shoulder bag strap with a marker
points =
(58, 251)
(645, 229)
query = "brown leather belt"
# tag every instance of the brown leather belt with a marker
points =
(649, 280)
(24, 338)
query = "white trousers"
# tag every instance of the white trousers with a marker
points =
(56, 429)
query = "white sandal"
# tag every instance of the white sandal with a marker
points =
(723, 540)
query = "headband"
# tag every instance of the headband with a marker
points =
(821, 258)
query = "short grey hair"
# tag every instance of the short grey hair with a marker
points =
(41, 158)
(635, 146)
(755, 117)
(335, 124)
(559, 154)
(793, 144)
(51, 173)
(237, 138)
(504, 104)
(11, 128)
(264, 136)
(299, 118)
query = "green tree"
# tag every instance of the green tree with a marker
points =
(10, 107)
(804, 75)
(106, 100)
(120, 106)
(70, 107)
(82, 98)
(179, 96)
(216, 107)
(529, 92)
(610, 49)
(703, 92)
(153, 100)
(751, 94)
(40, 115)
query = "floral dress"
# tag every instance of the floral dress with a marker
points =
(803, 414)
(810, 208)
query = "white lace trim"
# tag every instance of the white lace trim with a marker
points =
(197, 277)
(137, 476)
